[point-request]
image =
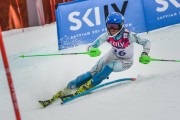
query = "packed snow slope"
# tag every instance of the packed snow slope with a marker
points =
(153, 96)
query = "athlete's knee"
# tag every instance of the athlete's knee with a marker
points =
(80, 80)
(127, 65)
(100, 76)
(122, 66)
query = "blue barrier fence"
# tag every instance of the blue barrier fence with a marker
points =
(82, 21)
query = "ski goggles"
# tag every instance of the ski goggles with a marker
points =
(114, 26)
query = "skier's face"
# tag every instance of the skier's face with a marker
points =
(112, 28)
(113, 32)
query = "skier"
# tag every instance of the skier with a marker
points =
(117, 59)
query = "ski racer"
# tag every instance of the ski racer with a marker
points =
(117, 59)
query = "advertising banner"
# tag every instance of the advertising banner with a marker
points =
(83, 21)
(161, 13)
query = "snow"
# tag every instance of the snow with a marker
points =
(154, 96)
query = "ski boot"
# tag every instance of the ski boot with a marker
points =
(84, 87)
(59, 95)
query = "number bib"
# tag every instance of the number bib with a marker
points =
(122, 47)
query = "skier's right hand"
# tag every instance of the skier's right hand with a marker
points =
(94, 52)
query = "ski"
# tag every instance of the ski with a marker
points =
(45, 103)
(69, 98)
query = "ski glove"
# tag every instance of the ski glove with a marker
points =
(94, 52)
(144, 59)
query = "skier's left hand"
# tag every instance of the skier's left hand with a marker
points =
(144, 59)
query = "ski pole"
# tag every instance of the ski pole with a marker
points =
(93, 52)
(147, 59)
(153, 59)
